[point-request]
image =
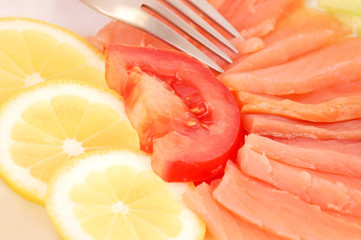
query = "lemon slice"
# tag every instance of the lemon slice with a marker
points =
(33, 51)
(113, 195)
(46, 124)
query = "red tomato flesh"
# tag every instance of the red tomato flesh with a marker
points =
(183, 114)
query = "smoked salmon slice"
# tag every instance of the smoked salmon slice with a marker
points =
(221, 223)
(248, 46)
(339, 63)
(329, 191)
(282, 127)
(337, 91)
(307, 19)
(278, 211)
(281, 51)
(307, 27)
(334, 110)
(256, 18)
(330, 156)
(200, 200)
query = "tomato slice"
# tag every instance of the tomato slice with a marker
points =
(183, 114)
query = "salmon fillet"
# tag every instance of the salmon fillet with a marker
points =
(278, 211)
(339, 63)
(330, 156)
(309, 28)
(329, 191)
(221, 223)
(282, 127)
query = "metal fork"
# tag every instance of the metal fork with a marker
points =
(132, 12)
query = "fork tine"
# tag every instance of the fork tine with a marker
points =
(201, 22)
(136, 17)
(163, 31)
(178, 21)
(213, 14)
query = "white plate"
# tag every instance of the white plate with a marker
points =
(20, 219)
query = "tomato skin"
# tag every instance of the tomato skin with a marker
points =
(179, 154)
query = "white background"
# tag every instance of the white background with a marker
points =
(71, 14)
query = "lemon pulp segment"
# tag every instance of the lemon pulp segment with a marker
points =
(49, 123)
(32, 51)
(110, 195)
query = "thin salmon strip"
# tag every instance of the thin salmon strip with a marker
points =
(339, 63)
(247, 46)
(345, 217)
(278, 211)
(282, 127)
(329, 191)
(330, 156)
(221, 223)
(307, 19)
(336, 103)
(335, 110)
(280, 52)
(309, 28)
(257, 18)
(351, 89)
